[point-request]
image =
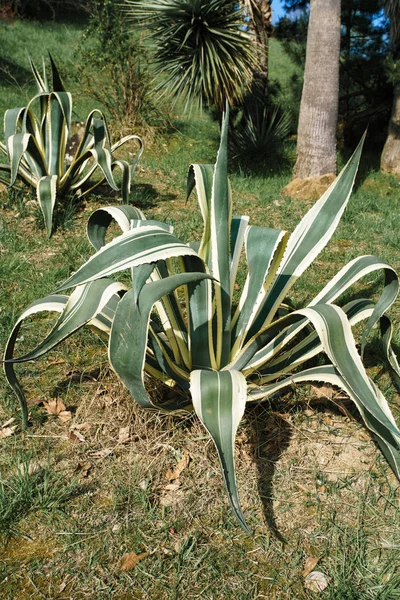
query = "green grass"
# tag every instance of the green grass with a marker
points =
(311, 481)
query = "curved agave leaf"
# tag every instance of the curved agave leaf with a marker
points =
(131, 249)
(46, 192)
(220, 222)
(264, 251)
(201, 177)
(219, 399)
(309, 238)
(129, 334)
(387, 438)
(54, 302)
(352, 272)
(270, 362)
(85, 304)
(100, 220)
(386, 332)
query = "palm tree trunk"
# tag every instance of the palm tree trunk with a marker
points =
(316, 139)
(390, 159)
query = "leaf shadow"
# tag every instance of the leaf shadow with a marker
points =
(269, 436)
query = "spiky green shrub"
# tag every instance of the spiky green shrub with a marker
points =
(36, 147)
(178, 321)
(202, 53)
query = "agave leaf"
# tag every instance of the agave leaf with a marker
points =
(84, 304)
(352, 272)
(220, 221)
(46, 192)
(388, 438)
(129, 333)
(219, 399)
(131, 249)
(49, 303)
(100, 220)
(309, 238)
(264, 251)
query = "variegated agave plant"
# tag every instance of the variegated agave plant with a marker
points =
(178, 322)
(36, 148)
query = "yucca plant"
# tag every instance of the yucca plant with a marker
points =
(202, 53)
(178, 321)
(36, 148)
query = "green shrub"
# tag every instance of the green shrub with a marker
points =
(178, 321)
(113, 66)
(36, 146)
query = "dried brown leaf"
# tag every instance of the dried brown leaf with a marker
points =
(9, 422)
(54, 407)
(174, 473)
(322, 391)
(65, 415)
(316, 581)
(34, 401)
(123, 435)
(130, 560)
(102, 453)
(75, 437)
(309, 564)
(81, 426)
(83, 469)
(6, 432)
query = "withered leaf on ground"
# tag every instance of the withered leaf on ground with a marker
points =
(75, 437)
(83, 469)
(102, 453)
(123, 435)
(130, 560)
(54, 406)
(7, 431)
(34, 401)
(309, 564)
(322, 391)
(175, 472)
(65, 415)
(316, 581)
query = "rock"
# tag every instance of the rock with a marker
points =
(310, 188)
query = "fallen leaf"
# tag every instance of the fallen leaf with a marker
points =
(34, 401)
(123, 435)
(316, 581)
(8, 423)
(65, 415)
(130, 560)
(75, 437)
(102, 453)
(83, 469)
(302, 488)
(81, 426)
(56, 362)
(54, 407)
(7, 431)
(171, 497)
(172, 487)
(309, 564)
(322, 391)
(172, 474)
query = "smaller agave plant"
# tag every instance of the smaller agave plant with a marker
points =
(178, 321)
(36, 148)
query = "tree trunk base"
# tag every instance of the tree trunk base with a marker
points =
(310, 188)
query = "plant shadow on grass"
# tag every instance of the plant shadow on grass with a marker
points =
(269, 437)
(12, 73)
(145, 195)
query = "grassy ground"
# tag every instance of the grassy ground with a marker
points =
(76, 496)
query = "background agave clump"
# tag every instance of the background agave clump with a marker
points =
(36, 145)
